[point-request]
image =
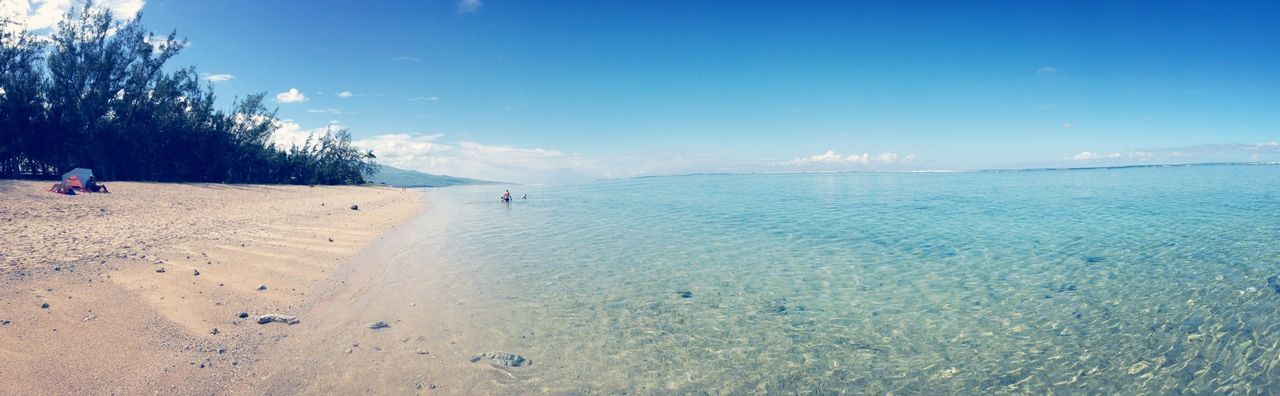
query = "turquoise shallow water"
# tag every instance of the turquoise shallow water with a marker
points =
(1086, 281)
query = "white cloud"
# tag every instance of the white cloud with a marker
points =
(1068, 125)
(421, 98)
(39, 15)
(1089, 156)
(345, 94)
(427, 153)
(832, 158)
(1046, 70)
(288, 133)
(406, 58)
(218, 78)
(291, 96)
(469, 6)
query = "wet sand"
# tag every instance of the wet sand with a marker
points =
(121, 293)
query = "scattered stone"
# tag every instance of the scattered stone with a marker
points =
(195, 272)
(262, 287)
(268, 318)
(686, 294)
(1076, 314)
(214, 331)
(5, 322)
(421, 351)
(242, 315)
(505, 359)
(1274, 283)
(355, 207)
(348, 351)
(160, 270)
(331, 240)
(379, 325)
(44, 306)
(222, 351)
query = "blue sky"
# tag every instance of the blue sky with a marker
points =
(540, 91)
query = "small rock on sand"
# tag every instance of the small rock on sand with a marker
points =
(355, 207)
(160, 270)
(379, 325)
(44, 306)
(505, 359)
(262, 287)
(268, 318)
(242, 315)
(5, 322)
(195, 272)
(421, 351)
(214, 331)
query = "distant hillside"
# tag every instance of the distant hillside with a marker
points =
(408, 178)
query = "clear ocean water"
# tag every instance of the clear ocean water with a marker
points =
(1139, 280)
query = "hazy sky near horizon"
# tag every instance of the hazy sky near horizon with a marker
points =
(543, 91)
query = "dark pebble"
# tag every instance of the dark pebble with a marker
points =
(242, 315)
(781, 309)
(44, 306)
(1274, 283)
(686, 294)
(379, 325)
(1076, 314)
(1094, 259)
(214, 331)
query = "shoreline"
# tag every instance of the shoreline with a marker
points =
(144, 286)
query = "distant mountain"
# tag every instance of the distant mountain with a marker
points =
(408, 178)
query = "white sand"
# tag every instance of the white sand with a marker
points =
(116, 325)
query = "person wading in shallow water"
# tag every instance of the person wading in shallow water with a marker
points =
(506, 196)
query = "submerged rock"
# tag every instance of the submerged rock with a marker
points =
(686, 294)
(505, 359)
(379, 325)
(268, 318)
(1094, 259)
(1274, 283)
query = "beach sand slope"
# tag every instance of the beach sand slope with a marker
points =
(141, 290)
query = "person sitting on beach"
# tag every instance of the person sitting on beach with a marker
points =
(93, 186)
(506, 196)
(60, 187)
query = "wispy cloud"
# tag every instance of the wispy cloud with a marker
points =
(422, 98)
(406, 58)
(291, 96)
(345, 94)
(1240, 152)
(218, 78)
(469, 6)
(1047, 70)
(1068, 125)
(832, 158)
(326, 111)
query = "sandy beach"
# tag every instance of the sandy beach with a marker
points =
(141, 290)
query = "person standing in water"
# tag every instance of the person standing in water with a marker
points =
(506, 196)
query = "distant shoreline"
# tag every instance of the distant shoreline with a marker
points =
(992, 170)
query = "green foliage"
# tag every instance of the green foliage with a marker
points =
(98, 96)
